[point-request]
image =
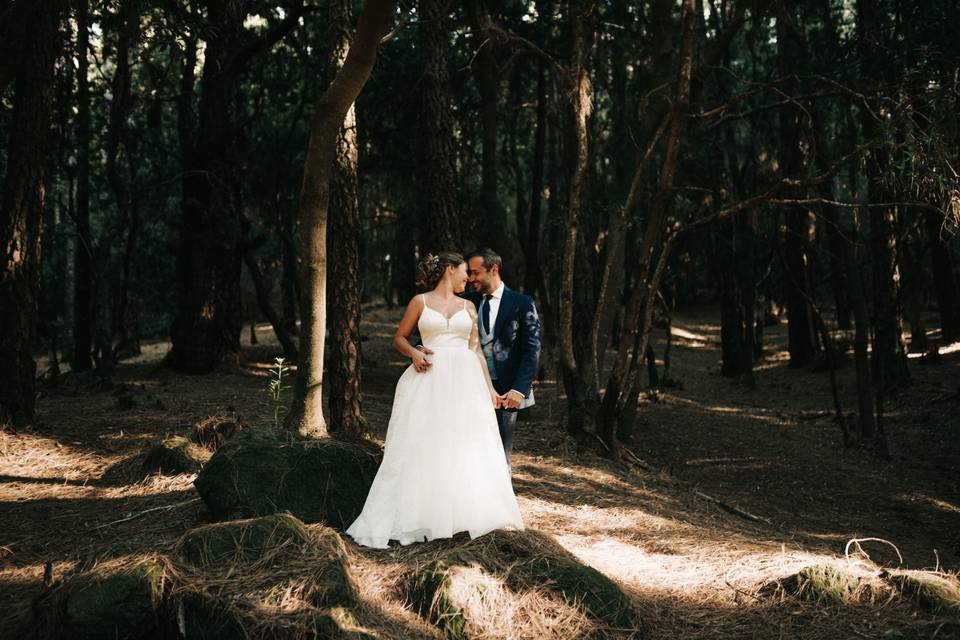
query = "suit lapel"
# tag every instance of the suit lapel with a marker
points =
(506, 307)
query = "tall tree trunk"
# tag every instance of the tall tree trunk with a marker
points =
(802, 345)
(494, 228)
(306, 415)
(888, 344)
(578, 87)
(343, 241)
(21, 207)
(533, 231)
(206, 330)
(438, 175)
(120, 175)
(944, 280)
(861, 318)
(82, 288)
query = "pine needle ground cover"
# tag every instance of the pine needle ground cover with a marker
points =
(78, 505)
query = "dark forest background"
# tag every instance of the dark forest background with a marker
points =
(792, 160)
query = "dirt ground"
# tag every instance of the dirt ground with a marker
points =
(71, 492)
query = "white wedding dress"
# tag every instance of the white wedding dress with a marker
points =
(443, 468)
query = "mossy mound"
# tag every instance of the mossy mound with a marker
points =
(243, 540)
(256, 474)
(307, 594)
(931, 592)
(822, 583)
(127, 602)
(461, 589)
(173, 455)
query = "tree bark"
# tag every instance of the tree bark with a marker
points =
(802, 345)
(206, 330)
(580, 90)
(82, 272)
(888, 343)
(440, 212)
(21, 207)
(343, 240)
(861, 318)
(485, 70)
(533, 232)
(944, 280)
(306, 415)
(639, 313)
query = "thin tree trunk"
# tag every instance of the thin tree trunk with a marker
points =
(306, 415)
(861, 319)
(343, 240)
(82, 288)
(944, 280)
(533, 231)
(437, 165)
(888, 327)
(21, 207)
(263, 303)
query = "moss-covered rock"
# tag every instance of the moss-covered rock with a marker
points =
(821, 583)
(125, 603)
(243, 540)
(453, 589)
(931, 592)
(173, 455)
(257, 473)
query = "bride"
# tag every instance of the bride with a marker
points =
(443, 468)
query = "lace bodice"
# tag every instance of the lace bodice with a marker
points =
(439, 332)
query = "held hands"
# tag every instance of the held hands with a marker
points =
(419, 359)
(509, 400)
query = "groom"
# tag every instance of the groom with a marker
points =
(509, 335)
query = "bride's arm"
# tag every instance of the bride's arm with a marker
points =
(475, 347)
(400, 338)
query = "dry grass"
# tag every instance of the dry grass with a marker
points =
(72, 494)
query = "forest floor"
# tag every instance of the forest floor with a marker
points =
(71, 492)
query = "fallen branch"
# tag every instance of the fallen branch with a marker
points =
(732, 509)
(165, 507)
(857, 541)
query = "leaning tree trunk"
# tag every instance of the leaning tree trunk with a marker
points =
(306, 415)
(21, 207)
(82, 271)
(343, 242)
(620, 387)
(437, 162)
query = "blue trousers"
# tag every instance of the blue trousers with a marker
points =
(506, 420)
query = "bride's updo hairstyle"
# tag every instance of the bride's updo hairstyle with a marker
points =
(431, 269)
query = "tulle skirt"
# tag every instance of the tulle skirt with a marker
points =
(443, 469)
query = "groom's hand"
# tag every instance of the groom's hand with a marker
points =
(511, 399)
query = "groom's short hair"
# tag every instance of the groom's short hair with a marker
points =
(490, 258)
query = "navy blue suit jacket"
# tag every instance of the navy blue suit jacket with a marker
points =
(516, 341)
